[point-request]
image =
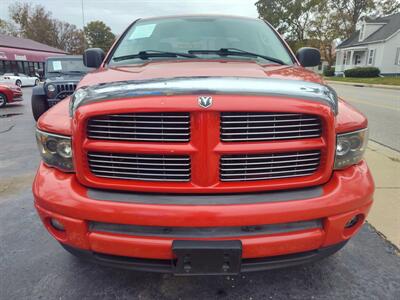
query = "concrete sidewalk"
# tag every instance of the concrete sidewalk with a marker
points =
(385, 213)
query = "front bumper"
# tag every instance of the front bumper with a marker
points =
(167, 266)
(18, 99)
(59, 195)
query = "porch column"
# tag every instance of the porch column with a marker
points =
(351, 58)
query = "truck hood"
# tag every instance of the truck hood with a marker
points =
(179, 69)
(173, 78)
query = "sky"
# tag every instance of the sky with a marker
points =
(118, 14)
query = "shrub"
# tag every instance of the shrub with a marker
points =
(329, 71)
(362, 72)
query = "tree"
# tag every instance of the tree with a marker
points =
(34, 23)
(326, 29)
(99, 35)
(349, 12)
(69, 37)
(292, 18)
(388, 7)
(8, 28)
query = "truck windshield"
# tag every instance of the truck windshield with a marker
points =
(203, 36)
(66, 66)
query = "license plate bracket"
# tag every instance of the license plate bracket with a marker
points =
(207, 257)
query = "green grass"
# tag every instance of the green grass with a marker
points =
(375, 80)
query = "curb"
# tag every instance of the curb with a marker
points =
(358, 84)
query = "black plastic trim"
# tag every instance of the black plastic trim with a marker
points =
(167, 266)
(223, 199)
(203, 232)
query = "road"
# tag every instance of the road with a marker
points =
(34, 266)
(381, 106)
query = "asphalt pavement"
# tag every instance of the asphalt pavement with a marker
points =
(34, 266)
(381, 106)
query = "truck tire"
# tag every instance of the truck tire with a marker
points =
(18, 83)
(39, 106)
(3, 100)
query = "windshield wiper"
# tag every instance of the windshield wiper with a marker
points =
(153, 53)
(237, 52)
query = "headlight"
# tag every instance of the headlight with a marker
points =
(51, 88)
(350, 148)
(56, 150)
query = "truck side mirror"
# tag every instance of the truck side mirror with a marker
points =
(309, 57)
(93, 57)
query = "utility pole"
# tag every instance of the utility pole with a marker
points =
(83, 24)
(83, 15)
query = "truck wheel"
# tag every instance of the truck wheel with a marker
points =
(39, 106)
(19, 83)
(3, 100)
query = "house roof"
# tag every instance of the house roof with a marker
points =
(21, 43)
(392, 24)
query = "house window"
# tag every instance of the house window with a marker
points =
(397, 60)
(344, 58)
(371, 56)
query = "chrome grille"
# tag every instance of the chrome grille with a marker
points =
(151, 127)
(268, 166)
(140, 166)
(255, 126)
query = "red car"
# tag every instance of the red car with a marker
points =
(202, 145)
(9, 93)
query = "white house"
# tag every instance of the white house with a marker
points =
(376, 44)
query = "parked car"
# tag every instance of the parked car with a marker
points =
(20, 79)
(9, 93)
(202, 145)
(62, 74)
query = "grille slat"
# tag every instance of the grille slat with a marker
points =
(265, 121)
(237, 139)
(149, 127)
(151, 116)
(133, 157)
(252, 126)
(130, 127)
(94, 166)
(268, 166)
(140, 122)
(140, 166)
(269, 127)
(273, 133)
(137, 133)
(133, 163)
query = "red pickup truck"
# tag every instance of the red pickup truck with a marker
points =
(202, 145)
